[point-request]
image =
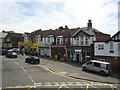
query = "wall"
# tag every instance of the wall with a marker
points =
(115, 62)
(106, 50)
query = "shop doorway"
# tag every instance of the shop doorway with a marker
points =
(78, 57)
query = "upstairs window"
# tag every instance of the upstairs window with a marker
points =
(82, 40)
(86, 40)
(111, 45)
(77, 41)
(100, 47)
(58, 41)
(48, 39)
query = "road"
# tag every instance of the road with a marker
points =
(16, 74)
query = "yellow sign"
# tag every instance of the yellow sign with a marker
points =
(27, 44)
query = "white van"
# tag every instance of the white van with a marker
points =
(98, 66)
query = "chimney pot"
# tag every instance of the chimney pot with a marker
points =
(89, 24)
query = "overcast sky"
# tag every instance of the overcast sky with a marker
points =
(29, 15)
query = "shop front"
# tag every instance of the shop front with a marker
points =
(58, 50)
(30, 48)
(78, 54)
(44, 50)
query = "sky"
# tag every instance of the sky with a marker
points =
(30, 15)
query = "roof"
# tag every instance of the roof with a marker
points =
(100, 61)
(112, 38)
(65, 32)
(14, 37)
(3, 35)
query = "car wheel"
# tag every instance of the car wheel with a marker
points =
(37, 62)
(84, 69)
(102, 73)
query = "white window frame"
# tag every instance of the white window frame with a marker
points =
(101, 47)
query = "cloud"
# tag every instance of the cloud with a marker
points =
(29, 15)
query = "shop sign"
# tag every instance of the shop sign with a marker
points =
(77, 50)
(57, 46)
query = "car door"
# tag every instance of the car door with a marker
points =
(96, 66)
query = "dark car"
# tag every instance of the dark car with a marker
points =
(32, 60)
(3, 51)
(11, 55)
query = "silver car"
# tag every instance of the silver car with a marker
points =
(98, 66)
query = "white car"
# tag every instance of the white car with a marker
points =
(98, 66)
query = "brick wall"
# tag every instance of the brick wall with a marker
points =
(115, 62)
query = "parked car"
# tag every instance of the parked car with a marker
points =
(11, 54)
(103, 60)
(97, 66)
(14, 50)
(3, 51)
(32, 60)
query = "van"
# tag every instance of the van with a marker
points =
(98, 66)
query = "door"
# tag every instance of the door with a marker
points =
(77, 57)
(96, 67)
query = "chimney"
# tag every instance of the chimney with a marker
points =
(61, 27)
(89, 24)
(66, 27)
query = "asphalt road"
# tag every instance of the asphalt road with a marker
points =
(18, 75)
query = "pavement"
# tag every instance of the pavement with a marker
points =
(74, 70)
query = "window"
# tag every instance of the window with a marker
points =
(100, 47)
(111, 45)
(89, 63)
(44, 39)
(111, 51)
(58, 41)
(48, 39)
(86, 40)
(77, 41)
(82, 40)
(96, 64)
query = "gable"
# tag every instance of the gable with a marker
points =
(80, 33)
(115, 37)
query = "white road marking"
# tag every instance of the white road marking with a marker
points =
(24, 70)
(78, 83)
(37, 84)
(56, 83)
(32, 80)
(63, 83)
(70, 83)
(48, 83)
(17, 63)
